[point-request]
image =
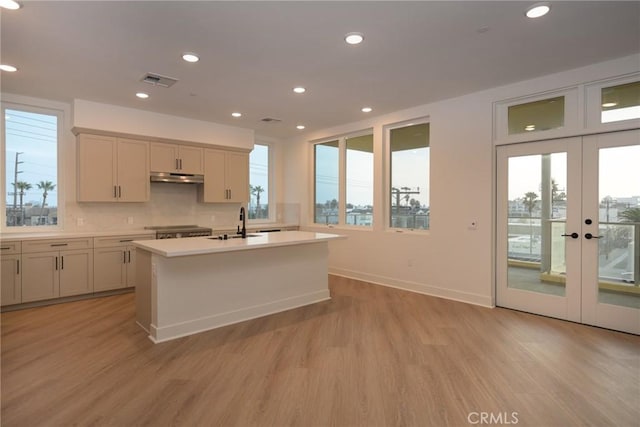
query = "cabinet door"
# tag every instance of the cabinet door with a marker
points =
(237, 177)
(214, 189)
(76, 272)
(131, 267)
(110, 268)
(164, 157)
(191, 160)
(133, 170)
(96, 169)
(11, 280)
(40, 278)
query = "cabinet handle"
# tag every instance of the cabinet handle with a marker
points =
(58, 244)
(124, 257)
(177, 165)
(119, 192)
(180, 163)
(126, 240)
(56, 263)
(17, 266)
(229, 194)
(129, 254)
(61, 263)
(115, 192)
(5, 248)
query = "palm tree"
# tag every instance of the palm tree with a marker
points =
(45, 186)
(22, 186)
(529, 201)
(256, 191)
(630, 215)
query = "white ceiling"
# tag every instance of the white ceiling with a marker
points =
(254, 53)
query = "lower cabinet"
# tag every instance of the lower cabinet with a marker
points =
(10, 268)
(115, 262)
(65, 269)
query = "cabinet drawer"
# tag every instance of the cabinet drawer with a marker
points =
(10, 248)
(32, 246)
(115, 241)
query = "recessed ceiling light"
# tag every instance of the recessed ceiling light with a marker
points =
(10, 4)
(190, 57)
(8, 68)
(142, 95)
(538, 10)
(529, 128)
(609, 104)
(354, 38)
(300, 127)
(367, 109)
(236, 114)
(299, 89)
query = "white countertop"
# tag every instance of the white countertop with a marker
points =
(72, 234)
(206, 245)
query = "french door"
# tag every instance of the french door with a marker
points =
(568, 229)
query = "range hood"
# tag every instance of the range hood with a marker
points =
(182, 178)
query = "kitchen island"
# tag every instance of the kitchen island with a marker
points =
(185, 286)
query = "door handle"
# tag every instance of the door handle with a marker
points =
(590, 236)
(573, 235)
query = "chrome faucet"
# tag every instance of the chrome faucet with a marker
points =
(243, 232)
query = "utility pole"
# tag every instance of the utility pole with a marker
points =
(15, 189)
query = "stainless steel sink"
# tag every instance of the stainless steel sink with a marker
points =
(232, 236)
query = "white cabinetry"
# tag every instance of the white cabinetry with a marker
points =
(11, 273)
(115, 262)
(56, 268)
(226, 177)
(174, 158)
(112, 169)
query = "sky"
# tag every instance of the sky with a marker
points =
(619, 173)
(35, 136)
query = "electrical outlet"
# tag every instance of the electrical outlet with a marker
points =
(213, 218)
(129, 220)
(80, 221)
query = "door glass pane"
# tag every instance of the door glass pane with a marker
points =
(326, 182)
(619, 226)
(259, 182)
(537, 210)
(536, 116)
(620, 102)
(359, 190)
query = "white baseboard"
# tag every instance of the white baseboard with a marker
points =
(421, 288)
(178, 330)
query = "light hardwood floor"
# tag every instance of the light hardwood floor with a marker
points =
(372, 356)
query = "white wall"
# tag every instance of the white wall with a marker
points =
(449, 260)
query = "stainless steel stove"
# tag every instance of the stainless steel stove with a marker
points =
(178, 231)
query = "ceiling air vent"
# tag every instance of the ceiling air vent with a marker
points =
(270, 120)
(158, 80)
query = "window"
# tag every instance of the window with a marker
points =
(344, 180)
(359, 181)
(409, 164)
(259, 183)
(536, 116)
(31, 167)
(620, 102)
(326, 158)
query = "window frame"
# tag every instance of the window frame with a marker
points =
(61, 111)
(387, 174)
(270, 186)
(342, 179)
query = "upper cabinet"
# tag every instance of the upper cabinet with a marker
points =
(112, 169)
(226, 177)
(174, 158)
